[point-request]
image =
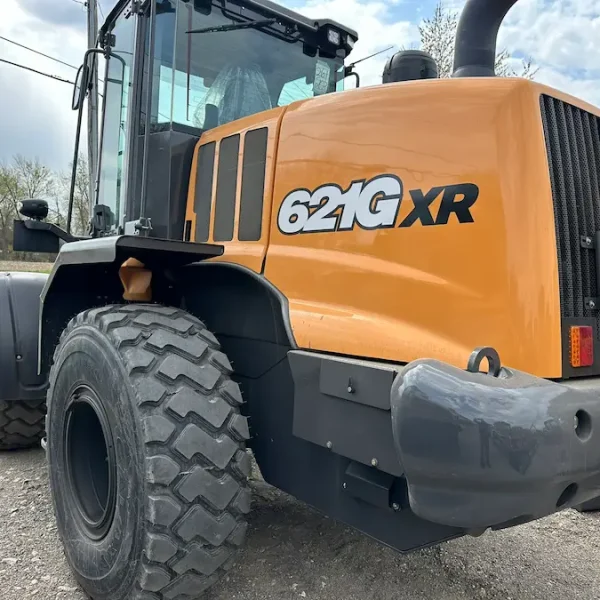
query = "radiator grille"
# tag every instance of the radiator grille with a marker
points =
(573, 144)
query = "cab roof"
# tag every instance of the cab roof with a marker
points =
(264, 7)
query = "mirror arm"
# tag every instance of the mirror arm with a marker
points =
(350, 72)
(65, 236)
(78, 138)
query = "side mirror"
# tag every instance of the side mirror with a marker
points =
(34, 209)
(80, 88)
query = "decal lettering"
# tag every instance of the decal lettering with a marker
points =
(372, 204)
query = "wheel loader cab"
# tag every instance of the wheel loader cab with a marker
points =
(211, 63)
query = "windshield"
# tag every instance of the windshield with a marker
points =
(207, 79)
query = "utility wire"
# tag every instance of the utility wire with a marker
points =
(55, 77)
(62, 62)
(101, 9)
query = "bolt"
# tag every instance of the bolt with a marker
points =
(350, 389)
(344, 485)
(588, 240)
(19, 357)
(329, 445)
(374, 462)
(591, 304)
(396, 506)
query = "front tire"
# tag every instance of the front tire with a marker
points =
(146, 452)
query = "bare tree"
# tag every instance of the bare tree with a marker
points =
(81, 197)
(7, 208)
(437, 37)
(24, 178)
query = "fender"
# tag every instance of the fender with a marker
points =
(86, 275)
(19, 305)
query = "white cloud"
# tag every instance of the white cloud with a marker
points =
(377, 29)
(35, 115)
(562, 37)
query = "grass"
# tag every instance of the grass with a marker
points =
(30, 267)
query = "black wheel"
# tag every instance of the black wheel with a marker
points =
(146, 452)
(21, 424)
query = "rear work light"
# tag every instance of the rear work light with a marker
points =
(582, 346)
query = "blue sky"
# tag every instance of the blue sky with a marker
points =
(35, 119)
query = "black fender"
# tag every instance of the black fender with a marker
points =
(19, 309)
(86, 275)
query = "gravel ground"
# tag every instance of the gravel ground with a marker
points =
(293, 552)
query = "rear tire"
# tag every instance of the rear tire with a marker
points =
(21, 424)
(146, 452)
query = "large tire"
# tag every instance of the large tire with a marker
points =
(21, 424)
(140, 395)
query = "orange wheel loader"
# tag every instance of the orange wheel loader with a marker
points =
(389, 294)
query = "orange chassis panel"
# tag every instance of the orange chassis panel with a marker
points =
(424, 290)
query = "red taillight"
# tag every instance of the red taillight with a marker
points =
(582, 346)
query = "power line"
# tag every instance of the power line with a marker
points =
(62, 62)
(101, 9)
(55, 77)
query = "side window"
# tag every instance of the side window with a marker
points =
(117, 95)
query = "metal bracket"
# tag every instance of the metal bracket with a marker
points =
(134, 8)
(493, 358)
(592, 242)
(592, 303)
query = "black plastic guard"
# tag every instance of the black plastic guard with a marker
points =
(19, 307)
(480, 451)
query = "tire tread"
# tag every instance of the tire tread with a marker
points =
(22, 423)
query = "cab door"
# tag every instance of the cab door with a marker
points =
(117, 117)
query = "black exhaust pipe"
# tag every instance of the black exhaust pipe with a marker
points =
(476, 36)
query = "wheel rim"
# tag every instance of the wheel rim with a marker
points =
(90, 460)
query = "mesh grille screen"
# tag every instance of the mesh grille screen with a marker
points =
(573, 143)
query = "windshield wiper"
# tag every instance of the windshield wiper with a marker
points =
(234, 26)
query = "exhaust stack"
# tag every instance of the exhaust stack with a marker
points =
(476, 36)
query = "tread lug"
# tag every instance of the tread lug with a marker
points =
(159, 548)
(231, 390)
(193, 347)
(217, 491)
(179, 324)
(239, 427)
(194, 440)
(198, 558)
(204, 375)
(188, 585)
(161, 469)
(198, 522)
(162, 510)
(220, 360)
(158, 428)
(186, 401)
(153, 579)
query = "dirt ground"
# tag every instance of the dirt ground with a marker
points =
(294, 552)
